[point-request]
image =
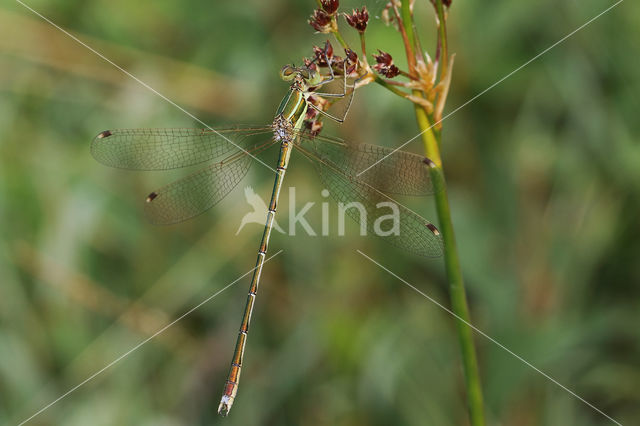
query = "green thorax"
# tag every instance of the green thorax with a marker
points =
(293, 107)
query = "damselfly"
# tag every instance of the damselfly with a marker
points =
(339, 164)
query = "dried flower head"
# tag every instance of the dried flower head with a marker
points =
(314, 127)
(319, 102)
(384, 64)
(389, 72)
(337, 64)
(321, 21)
(311, 114)
(312, 118)
(358, 19)
(309, 64)
(351, 61)
(323, 54)
(330, 6)
(383, 58)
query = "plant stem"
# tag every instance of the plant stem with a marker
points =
(363, 46)
(338, 37)
(390, 87)
(406, 30)
(457, 293)
(431, 139)
(442, 36)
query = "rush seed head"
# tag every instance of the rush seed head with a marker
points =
(323, 54)
(351, 61)
(384, 64)
(330, 6)
(358, 19)
(321, 21)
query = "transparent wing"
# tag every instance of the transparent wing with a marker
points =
(389, 171)
(163, 149)
(377, 212)
(195, 193)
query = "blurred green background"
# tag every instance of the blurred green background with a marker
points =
(544, 177)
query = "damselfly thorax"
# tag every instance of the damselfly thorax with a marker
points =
(293, 107)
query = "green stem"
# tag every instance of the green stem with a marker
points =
(442, 36)
(429, 139)
(338, 37)
(432, 139)
(406, 31)
(457, 292)
(389, 87)
(363, 47)
(407, 19)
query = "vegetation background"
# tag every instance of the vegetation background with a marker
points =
(544, 178)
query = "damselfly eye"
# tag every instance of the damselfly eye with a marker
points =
(287, 72)
(305, 73)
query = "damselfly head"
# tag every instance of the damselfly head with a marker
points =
(309, 75)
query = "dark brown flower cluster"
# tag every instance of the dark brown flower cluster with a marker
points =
(325, 20)
(330, 6)
(311, 123)
(351, 61)
(384, 65)
(358, 19)
(325, 56)
(422, 73)
(322, 19)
